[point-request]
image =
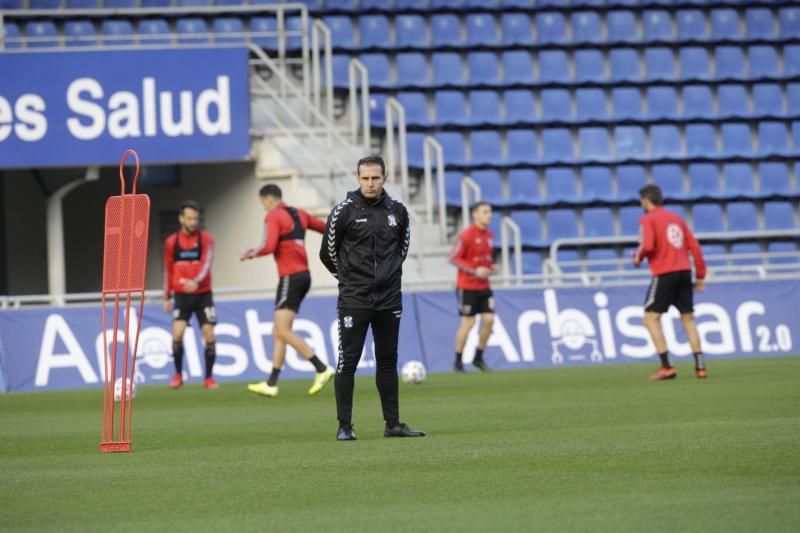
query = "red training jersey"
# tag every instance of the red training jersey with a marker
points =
(286, 241)
(188, 257)
(472, 249)
(666, 241)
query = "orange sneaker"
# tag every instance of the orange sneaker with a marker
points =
(700, 373)
(664, 373)
(177, 381)
(210, 383)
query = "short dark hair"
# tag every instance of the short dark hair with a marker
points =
(270, 189)
(189, 204)
(478, 205)
(653, 193)
(371, 160)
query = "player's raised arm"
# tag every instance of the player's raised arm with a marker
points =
(269, 241)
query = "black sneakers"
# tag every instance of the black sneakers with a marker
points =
(346, 433)
(480, 365)
(402, 430)
(459, 366)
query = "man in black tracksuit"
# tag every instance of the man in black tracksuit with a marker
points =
(364, 245)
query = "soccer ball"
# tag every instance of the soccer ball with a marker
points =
(118, 389)
(414, 372)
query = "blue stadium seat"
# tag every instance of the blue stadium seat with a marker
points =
(730, 61)
(156, 3)
(630, 178)
(557, 145)
(523, 187)
(630, 142)
(763, 61)
(626, 103)
(629, 220)
(191, 30)
(665, 141)
(154, 31)
(411, 31)
(597, 184)
(451, 107)
(568, 260)
(782, 248)
(713, 254)
(228, 30)
(530, 226)
(746, 249)
(598, 222)
(707, 218)
(337, 5)
(71, 4)
(12, 4)
(662, 102)
(553, 66)
(416, 108)
(561, 185)
(701, 141)
(738, 180)
(695, 63)
(483, 68)
(262, 33)
(10, 35)
(436, 4)
(594, 144)
(445, 30)
(455, 150)
(791, 60)
(759, 23)
(520, 106)
(774, 179)
(622, 26)
(736, 139)
(415, 148)
(491, 185)
(375, 31)
(624, 64)
(399, 4)
(793, 98)
(531, 263)
(340, 63)
(412, 69)
(659, 64)
(377, 109)
(80, 33)
(703, 181)
(556, 104)
(551, 27)
(691, 24)
(481, 29)
(725, 24)
(697, 101)
(591, 104)
(561, 224)
(602, 254)
(193, 3)
(45, 4)
(452, 188)
(487, 148)
(118, 32)
(773, 138)
(767, 99)
(125, 3)
(789, 21)
(518, 67)
(516, 28)
(589, 65)
(522, 147)
(778, 216)
(342, 32)
(742, 216)
(733, 100)
(657, 25)
(42, 33)
(485, 107)
(670, 178)
(586, 27)
(313, 5)
(378, 68)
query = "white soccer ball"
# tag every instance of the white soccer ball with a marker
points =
(118, 389)
(414, 372)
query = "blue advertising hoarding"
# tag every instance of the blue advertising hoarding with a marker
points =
(87, 108)
(63, 348)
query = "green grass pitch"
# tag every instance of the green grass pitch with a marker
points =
(573, 449)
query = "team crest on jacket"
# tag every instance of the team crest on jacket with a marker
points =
(392, 221)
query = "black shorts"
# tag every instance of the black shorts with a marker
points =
(672, 288)
(471, 303)
(201, 305)
(291, 291)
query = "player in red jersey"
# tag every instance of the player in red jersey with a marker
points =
(188, 255)
(284, 236)
(666, 242)
(472, 254)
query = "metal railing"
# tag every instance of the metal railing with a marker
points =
(433, 154)
(467, 185)
(396, 115)
(507, 225)
(358, 79)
